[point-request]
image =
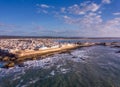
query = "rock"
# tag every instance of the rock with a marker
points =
(74, 57)
(21, 64)
(1, 58)
(107, 44)
(117, 46)
(82, 58)
(100, 43)
(13, 59)
(34, 58)
(10, 64)
(5, 59)
(118, 52)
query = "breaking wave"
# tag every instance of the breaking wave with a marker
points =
(57, 60)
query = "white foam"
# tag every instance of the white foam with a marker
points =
(52, 73)
(57, 60)
(79, 53)
(64, 70)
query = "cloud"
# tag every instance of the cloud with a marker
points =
(93, 24)
(39, 28)
(80, 9)
(90, 21)
(44, 8)
(106, 1)
(76, 9)
(116, 13)
(8, 25)
(110, 28)
(87, 17)
(113, 23)
(63, 9)
(2, 25)
(43, 5)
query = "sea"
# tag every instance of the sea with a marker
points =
(95, 66)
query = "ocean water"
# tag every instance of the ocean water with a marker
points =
(96, 66)
(88, 40)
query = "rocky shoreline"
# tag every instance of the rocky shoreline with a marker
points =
(10, 60)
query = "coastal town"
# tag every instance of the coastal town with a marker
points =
(13, 51)
(14, 45)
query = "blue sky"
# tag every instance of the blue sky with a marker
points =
(76, 18)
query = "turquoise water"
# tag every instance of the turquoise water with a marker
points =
(96, 66)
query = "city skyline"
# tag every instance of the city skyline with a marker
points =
(78, 18)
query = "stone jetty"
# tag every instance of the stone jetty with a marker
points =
(17, 57)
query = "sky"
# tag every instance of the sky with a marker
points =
(67, 18)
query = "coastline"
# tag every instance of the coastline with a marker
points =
(33, 55)
(63, 48)
(20, 56)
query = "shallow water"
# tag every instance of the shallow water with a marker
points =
(96, 66)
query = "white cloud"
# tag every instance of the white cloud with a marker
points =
(90, 22)
(44, 6)
(8, 25)
(87, 16)
(45, 11)
(76, 9)
(83, 8)
(114, 22)
(117, 13)
(111, 28)
(106, 1)
(86, 20)
(93, 7)
(93, 24)
(66, 17)
(63, 9)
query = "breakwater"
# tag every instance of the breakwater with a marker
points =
(20, 56)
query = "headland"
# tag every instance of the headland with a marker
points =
(16, 50)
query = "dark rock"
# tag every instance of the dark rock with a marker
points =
(99, 43)
(21, 65)
(74, 57)
(6, 59)
(9, 64)
(13, 59)
(118, 52)
(1, 58)
(82, 58)
(34, 58)
(117, 46)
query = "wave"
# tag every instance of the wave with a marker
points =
(57, 60)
